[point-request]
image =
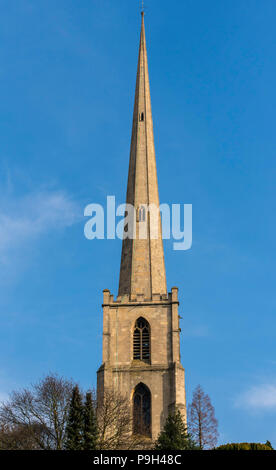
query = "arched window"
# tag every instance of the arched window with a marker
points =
(141, 340)
(142, 411)
(141, 117)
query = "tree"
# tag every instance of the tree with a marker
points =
(174, 435)
(75, 423)
(113, 416)
(90, 424)
(115, 423)
(44, 407)
(246, 446)
(268, 444)
(202, 423)
(18, 437)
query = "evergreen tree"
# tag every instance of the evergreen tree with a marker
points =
(174, 435)
(90, 424)
(74, 428)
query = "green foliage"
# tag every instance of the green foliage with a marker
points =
(174, 435)
(75, 423)
(268, 444)
(246, 446)
(90, 424)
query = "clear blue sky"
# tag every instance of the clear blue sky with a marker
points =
(67, 72)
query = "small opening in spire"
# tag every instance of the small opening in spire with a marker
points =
(141, 117)
(141, 214)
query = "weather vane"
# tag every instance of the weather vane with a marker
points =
(142, 6)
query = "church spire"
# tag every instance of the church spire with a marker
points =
(142, 263)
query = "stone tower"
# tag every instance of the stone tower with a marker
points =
(141, 335)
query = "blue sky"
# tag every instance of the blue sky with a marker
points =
(67, 72)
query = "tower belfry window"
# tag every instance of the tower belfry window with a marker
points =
(141, 340)
(141, 117)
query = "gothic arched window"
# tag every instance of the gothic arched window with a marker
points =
(141, 340)
(142, 411)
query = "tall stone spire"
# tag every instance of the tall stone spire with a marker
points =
(142, 263)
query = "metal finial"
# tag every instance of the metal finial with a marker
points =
(142, 7)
